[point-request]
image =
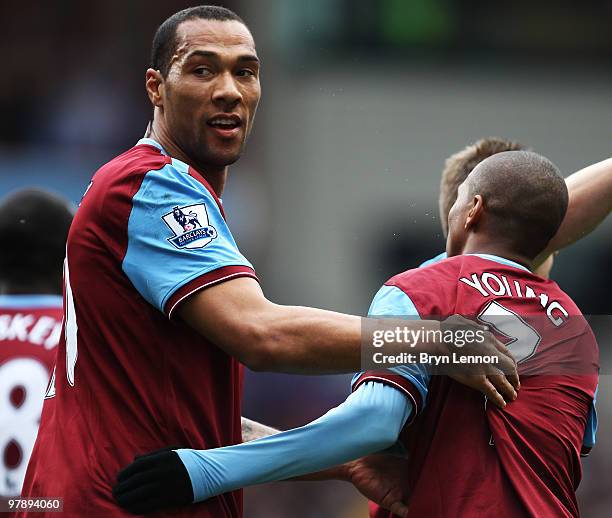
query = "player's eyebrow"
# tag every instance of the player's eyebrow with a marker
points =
(212, 54)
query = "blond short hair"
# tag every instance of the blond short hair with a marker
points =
(460, 165)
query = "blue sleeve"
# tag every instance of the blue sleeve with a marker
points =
(176, 233)
(368, 421)
(390, 301)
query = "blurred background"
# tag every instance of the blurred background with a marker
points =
(337, 191)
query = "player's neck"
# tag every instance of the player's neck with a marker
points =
(216, 176)
(33, 288)
(481, 246)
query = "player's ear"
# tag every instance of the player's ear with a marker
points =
(475, 212)
(154, 83)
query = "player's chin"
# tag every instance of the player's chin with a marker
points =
(225, 158)
(224, 154)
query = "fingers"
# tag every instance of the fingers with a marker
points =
(143, 463)
(490, 391)
(136, 496)
(510, 370)
(139, 465)
(506, 362)
(153, 482)
(134, 481)
(503, 387)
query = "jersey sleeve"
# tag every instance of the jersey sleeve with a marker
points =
(178, 240)
(413, 380)
(369, 421)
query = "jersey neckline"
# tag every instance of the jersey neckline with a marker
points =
(501, 260)
(152, 142)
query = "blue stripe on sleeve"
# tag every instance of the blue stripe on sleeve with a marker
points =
(163, 254)
(390, 301)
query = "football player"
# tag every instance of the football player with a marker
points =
(33, 229)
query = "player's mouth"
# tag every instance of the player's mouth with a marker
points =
(226, 125)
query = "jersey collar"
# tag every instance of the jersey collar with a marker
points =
(152, 142)
(502, 260)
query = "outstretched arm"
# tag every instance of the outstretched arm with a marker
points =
(590, 202)
(236, 316)
(370, 420)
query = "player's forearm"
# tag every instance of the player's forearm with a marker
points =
(252, 430)
(590, 202)
(312, 341)
(265, 336)
(368, 421)
(237, 317)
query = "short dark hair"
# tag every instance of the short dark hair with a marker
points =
(34, 227)
(524, 196)
(164, 41)
(459, 165)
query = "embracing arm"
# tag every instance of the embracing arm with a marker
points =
(590, 202)
(369, 420)
(265, 336)
(236, 316)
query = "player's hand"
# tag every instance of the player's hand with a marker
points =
(382, 479)
(498, 381)
(153, 482)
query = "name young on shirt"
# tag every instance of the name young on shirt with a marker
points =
(490, 284)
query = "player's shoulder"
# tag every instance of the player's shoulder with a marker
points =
(145, 171)
(132, 165)
(430, 288)
(439, 270)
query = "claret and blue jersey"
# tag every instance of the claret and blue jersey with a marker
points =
(392, 301)
(30, 327)
(149, 232)
(525, 457)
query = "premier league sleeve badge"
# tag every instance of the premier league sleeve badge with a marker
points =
(190, 226)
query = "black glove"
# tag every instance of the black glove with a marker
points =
(152, 482)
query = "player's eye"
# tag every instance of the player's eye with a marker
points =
(245, 72)
(202, 71)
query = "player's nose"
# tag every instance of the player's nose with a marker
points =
(226, 91)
